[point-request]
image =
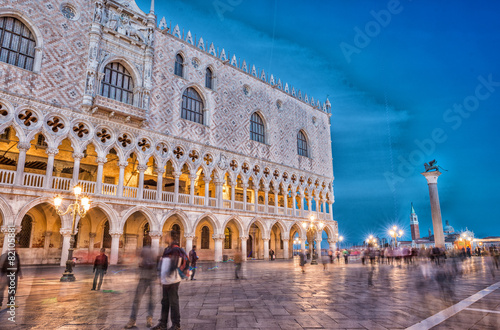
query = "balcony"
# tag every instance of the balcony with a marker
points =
(65, 185)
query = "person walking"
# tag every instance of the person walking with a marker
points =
(193, 257)
(170, 280)
(100, 268)
(346, 256)
(237, 263)
(302, 260)
(10, 271)
(147, 274)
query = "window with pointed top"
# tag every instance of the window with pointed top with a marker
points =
(17, 43)
(117, 83)
(179, 65)
(209, 78)
(302, 149)
(205, 238)
(257, 129)
(192, 106)
(228, 238)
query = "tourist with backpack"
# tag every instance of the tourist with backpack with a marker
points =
(174, 262)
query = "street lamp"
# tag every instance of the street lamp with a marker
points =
(296, 241)
(313, 226)
(395, 234)
(370, 240)
(79, 207)
(341, 238)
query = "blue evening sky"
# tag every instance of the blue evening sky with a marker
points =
(409, 81)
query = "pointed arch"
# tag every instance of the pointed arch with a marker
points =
(144, 211)
(41, 200)
(238, 222)
(184, 219)
(110, 213)
(193, 104)
(258, 127)
(134, 72)
(303, 144)
(259, 222)
(211, 218)
(7, 213)
(281, 225)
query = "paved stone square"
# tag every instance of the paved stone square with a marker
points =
(272, 295)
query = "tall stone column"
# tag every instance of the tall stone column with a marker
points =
(266, 248)
(189, 242)
(155, 242)
(266, 199)
(244, 247)
(218, 247)
(176, 186)
(333, 245)
(100, 166)
(244, 185)
(192, 180)
(256, 196)
(233, 194)
(285, 248)
(21, 160)
(77, 157)
(115, 247)
(218, 193)
(121, 178)
(51, 152)
(206, 179)
(285, 202)
(437, 222)
(159, 183)
(276, 204)
(91, 244)
(66, 234)
(303, 244)
(331, 210)
(294, 202)
(140, 186)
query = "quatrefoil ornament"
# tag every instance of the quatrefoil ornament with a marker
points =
(256, 169)
(103, 135)
(233, 165)
(193, 155)
(208, 159)
(144, 145)
(81, 130)
(28, 118)
(125, 140)
(55, 124)
(178, 152)
(245, 168)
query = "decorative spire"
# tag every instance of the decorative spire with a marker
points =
(152, 10)
(412, 209)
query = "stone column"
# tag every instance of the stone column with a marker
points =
(140, 186)
(115, 247)
(303, 244)
(285, 248)
(233, 195)
(285, 201)
(266, 248)
(256, 196)
(189, 242)
(155, 242)
(66, 234)
(218, 193)
(77, 156)
(21, 160)
(244, 247)
(98, 184)
(333, 245)
(91, 244)
(437, 222)
(51, 152)
(331, 210)
(244, 185)
(323, 202)
(46, 246)
(218, 247)
(121, 178)
(276, 204)
(176, 186)
(309, 204)
(318, 246)
(192, 180)
(266, 198)
(206, 178)
(159, 183)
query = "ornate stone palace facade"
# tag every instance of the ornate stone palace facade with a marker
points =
(160, 133)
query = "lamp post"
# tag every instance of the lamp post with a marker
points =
(395, 233)
(79, 207)
(370, 240)
(313, 226)
(295, 242)
(341, 238)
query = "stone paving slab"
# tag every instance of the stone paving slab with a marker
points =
(272, 295)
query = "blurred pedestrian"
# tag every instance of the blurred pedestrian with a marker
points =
(237, 263)
(302, 260)
(147, 274)
(10, 272)
(193, 258)
(337, 254)
(330, 255)
(325, 260)
(346, 256)
(100, 268)
(170, 280)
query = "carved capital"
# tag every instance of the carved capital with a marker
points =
(176, 174)
(218, 237)
(122, 164)
(92, 235)
(155, 234)
(160, 170)
(285, 239)
(244, 238)
(23, 146)
(52, 151)
(65, 232)
(48, 233)
(115, 234)
(78, 155)
(142, 168)
(101, 160)
(190, 236)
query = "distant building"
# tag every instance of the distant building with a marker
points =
(415, 231)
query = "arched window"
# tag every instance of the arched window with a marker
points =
(192, 106)
(208, 78)
(179, 65)
(176, 228)
(302, 144)
(146, 239)
(257, 131)
(205, 238)
(17, 43)
(23, 238)
(117, 83)
(228, 238)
